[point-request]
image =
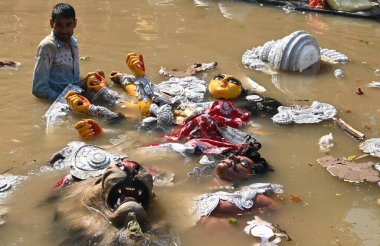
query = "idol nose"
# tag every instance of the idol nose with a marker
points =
(224, 83)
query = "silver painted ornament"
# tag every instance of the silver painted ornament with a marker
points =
(243, 199)
(83, 160)
(339, 73)
(333, 56)
(371, 146)
(183, 90)
(164, 114)
(314, 113)
(7, 183)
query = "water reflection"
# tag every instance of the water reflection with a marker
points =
(229, 9)
(159, 2)
(295, 84)
(363, 223)
(146, 27)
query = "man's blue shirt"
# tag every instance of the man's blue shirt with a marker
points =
(57, 65)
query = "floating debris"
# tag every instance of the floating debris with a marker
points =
(359, 91)
(255, 86)
(349, 129)
(304, 114)
(339, 73)
(7, 183)
(265, 231)
(84, 58)
(371, 146)
(377, 72)
(374, 84)
(349, 171)
(207, 160)
(9, 65)
(190, 71)
(232, 220)
(326, 142)
(295, 198)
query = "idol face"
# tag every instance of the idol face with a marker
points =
(224, 86)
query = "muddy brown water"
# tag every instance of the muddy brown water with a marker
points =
(174, 34)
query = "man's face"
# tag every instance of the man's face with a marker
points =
(63, 28)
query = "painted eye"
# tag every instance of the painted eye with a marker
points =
(244, 163)
(219, 77)
(234, 81)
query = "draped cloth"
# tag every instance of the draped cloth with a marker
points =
(210, 132)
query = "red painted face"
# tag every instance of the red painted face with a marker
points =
(63, 28)
(235, 168)
(130, 166)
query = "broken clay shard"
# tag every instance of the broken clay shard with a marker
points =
(295, 52)
(349, 171)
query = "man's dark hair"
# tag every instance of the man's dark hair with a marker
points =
(63, 9)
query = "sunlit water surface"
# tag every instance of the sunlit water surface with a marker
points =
(175, 34)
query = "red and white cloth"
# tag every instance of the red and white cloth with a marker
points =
(205, 133)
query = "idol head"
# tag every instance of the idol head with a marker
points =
(225, 86)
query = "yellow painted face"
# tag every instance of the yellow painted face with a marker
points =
(225, 86)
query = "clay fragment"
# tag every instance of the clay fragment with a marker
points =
(350, 171)
(295, 52)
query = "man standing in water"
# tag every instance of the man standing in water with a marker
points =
(57, 62)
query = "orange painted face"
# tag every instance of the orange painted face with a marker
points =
(225, 86)
(235, 168)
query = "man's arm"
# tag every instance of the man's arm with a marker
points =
(44, 60)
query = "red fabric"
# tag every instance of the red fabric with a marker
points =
(316, 4)
(64, 181)
(211, 147)
(220, 113)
